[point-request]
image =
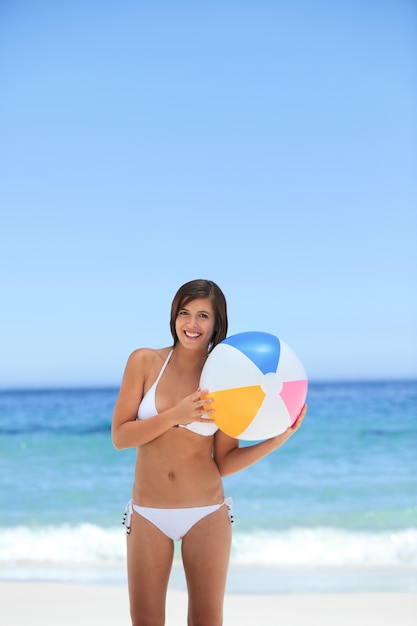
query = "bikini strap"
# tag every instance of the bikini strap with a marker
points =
(163, 367)
(127, 516)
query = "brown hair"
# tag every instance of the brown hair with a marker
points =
(202, 288)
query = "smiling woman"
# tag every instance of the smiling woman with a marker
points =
(201, 290)
(181, 457)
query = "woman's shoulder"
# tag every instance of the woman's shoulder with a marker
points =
(148, 357)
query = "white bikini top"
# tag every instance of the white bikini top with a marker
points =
(147, 408)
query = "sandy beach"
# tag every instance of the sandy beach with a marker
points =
(48, 604)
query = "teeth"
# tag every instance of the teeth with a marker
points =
(192, 335)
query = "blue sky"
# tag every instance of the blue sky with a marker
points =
(269, 146)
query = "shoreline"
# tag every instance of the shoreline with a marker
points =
(85, 604)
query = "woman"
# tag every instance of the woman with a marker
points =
(181, 457)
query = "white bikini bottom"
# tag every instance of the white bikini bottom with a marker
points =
(174, 523)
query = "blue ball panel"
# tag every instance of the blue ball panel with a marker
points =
(262, 348)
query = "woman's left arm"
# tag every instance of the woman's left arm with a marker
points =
(230, 458)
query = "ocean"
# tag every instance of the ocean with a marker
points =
(335, 509)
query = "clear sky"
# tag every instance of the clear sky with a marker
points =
(270, 146)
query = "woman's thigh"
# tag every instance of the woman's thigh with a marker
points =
(206, 555)
(149, 561)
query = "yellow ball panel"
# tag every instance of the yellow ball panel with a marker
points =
(236, 408)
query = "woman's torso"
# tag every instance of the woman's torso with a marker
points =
(177, 468)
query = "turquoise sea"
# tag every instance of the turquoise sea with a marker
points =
(335, 509)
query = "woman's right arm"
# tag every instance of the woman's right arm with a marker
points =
(126, 431)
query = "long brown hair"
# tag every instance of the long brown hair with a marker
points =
(202, 288)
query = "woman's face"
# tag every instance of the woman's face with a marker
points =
(195, 324)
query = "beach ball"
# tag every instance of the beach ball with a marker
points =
(257, 383)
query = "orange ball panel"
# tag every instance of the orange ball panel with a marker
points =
(236, 408)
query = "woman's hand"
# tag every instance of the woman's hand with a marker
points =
(292, 429)
(283, 437)
(193, 408)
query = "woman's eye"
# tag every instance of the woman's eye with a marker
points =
(204, 315)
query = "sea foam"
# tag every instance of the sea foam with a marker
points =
(94, 546)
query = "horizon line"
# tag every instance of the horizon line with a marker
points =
(113, 386)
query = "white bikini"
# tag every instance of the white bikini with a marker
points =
(147, 408)
(174, 523)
